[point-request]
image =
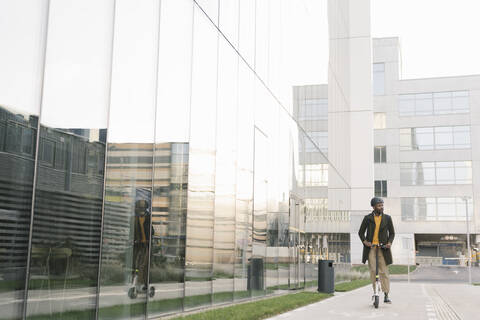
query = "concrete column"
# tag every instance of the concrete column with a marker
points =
(350, 113)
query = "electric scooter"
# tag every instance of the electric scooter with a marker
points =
(376, 294)
(136, 288)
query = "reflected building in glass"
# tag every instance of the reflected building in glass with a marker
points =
(156, 161)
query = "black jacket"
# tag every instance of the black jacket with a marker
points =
(385, 235)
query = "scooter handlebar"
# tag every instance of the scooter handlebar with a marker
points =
(381, 245)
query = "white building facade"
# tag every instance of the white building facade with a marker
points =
(426, 154)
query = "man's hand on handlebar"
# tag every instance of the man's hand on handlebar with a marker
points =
(367, 243)
(388, 245)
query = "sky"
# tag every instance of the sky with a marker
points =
(438, 37)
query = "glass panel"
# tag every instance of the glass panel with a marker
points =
(127, 223)
(445, 173)
(461, 137)
(423, 104)
(201, 176)
(446, 208)
(68, 201)
(378, 78)
(225, 175)
(378, 188)
(384, 188)
(461, 210)
(408, 209)
(172, 149)
(463, 172)
(431, 209)
(379, 120)
(406, 138)
(257, 263)
(406, 105)
(460, 102)
(21, 62)
(443, 138)
(244, 178)
(443, 102)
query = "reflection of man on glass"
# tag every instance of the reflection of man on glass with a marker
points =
(141, 240)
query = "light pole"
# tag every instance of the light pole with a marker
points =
(468, 243)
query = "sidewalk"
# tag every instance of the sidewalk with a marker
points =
(428, 301)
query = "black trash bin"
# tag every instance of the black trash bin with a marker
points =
(255, 274)
(326, 276)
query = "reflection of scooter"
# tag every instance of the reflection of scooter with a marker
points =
(136, 288)
(376, 294)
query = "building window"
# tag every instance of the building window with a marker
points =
(433, 173)
(438, 103)
(320, 138)
(380, 154)
(379, 79)
(316, 175)
(380, 188)
(379, 120)
(313, 109)
(435, 138)
(435, 209)
(2, 136)
(47, 151)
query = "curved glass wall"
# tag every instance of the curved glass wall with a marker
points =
(174, 169)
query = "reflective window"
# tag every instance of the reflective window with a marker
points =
(128, 227)
(380, 154)
(316, 175)
(200, 192)
(313, 109)
(379, 79)
(438, 103)
(379, 120)
(66, 235)
(435, 138)
(23, 40)
(430, 173)
(320, 142)
(380, 188)
(435, 209)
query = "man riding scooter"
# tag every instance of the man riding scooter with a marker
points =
(377, 243)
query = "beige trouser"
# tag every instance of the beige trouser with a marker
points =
(141, 261)
(382, 269)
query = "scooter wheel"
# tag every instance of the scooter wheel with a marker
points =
(376, 302)
(132, 293)
(151, 293)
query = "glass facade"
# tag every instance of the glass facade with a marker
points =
(154, 160)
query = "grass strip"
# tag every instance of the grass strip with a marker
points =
(400, 269)
(351, 285)
(392, 269)
(260, 309)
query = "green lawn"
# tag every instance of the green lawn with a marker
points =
(52, 284)
(477, 284)
(351, 285)
(400, 269)
(260, 309)
(393, 268)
